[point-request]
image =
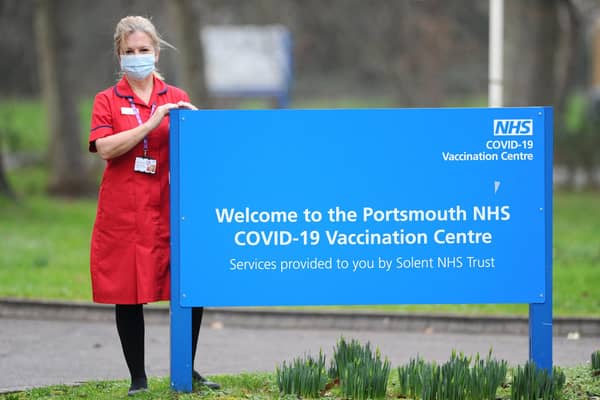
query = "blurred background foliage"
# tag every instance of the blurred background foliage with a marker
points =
(56, 54)
(346, 53)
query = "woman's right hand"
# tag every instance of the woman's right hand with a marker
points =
(159, 114)
(115, 145)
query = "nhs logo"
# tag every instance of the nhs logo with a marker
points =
(513, 127)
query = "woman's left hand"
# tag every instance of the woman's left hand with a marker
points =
(185, 104)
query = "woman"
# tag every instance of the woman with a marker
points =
(130, 240)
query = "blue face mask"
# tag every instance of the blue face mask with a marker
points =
(137, 66)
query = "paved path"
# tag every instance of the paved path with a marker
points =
(38, 353)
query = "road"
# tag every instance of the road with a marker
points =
(36, 353)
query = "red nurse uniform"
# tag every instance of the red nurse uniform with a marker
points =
(130, 240)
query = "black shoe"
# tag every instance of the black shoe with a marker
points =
(203, 381)
(138, 385)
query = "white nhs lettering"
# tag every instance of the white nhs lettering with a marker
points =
(513, 127)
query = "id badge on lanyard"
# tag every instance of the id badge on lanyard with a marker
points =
(144, 164)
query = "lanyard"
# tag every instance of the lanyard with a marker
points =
(136, 112)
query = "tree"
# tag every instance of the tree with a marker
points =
(532, 33)
(5, 131)
(67, 169)
(5, 188)
(543, 39)
(188, 26)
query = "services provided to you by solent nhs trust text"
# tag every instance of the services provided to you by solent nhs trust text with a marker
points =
(364, 264)
(339, 228)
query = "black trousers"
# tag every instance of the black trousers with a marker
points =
(130, 325)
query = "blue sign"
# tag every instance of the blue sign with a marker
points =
(329, 207)
(324, 207)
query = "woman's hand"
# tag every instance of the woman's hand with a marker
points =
(159, 114)
(185, 104)
(115, 145)
(162, 111)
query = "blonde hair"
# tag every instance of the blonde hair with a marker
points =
(131, 24)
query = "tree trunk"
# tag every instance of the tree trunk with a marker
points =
(532, 36)
(5, 188)
(570, 52)
(188, 26)
(67, 170)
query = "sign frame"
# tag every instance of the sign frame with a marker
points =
(540, 313)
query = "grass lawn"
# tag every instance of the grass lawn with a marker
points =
(44, 242)
(44, 251)
(580, 385)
